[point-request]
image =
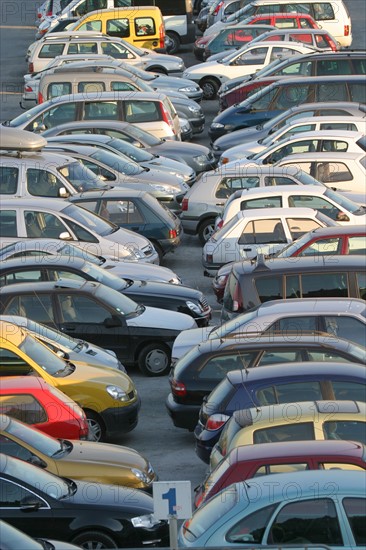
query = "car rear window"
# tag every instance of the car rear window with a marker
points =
(8, 180)
(219, 397)
(49, 51)
(142, 111)
(286, 432)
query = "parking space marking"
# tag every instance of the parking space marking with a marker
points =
(17, 27)
(11, 93)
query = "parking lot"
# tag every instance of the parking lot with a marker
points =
(169, 449)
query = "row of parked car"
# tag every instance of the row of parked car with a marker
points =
(77, 257)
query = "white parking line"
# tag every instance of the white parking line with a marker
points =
(17, 27)
(11, 93)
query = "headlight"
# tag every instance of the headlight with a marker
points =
(194, 307)
(201, 159)
(229, 126)
(163, 188)
(117, 393)
(188, 89)
(194, 110)
(217, 125)
(181, 65)
(140, 475)
(221, 279)
(144, 521)
(185, 126)
(176, 281)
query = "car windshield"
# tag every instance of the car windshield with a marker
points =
(75, 252)
(122, 304)
(343, 202)
(105, 277)
(117, 162)
(25, 117)
(234, 325)
(307, 179)
(88, 219)
(141, 135)
(134, 153)
(54, 486)
(8, 251)
(44, 357)
(41, 442)
(81, 177)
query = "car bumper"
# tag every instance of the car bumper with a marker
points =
(198, 124)
(120, 420)
(190, 225)
(210, 270)
(204, 442)
(175, 72)
(215, 133)
(167, 245)
(198, 53)
(183, 416)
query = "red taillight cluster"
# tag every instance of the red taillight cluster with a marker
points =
(209, 258)
(217, 9)
(30, 68)
(40, 97)
(220, 224)
(346, 30)
(216, 421)
(178, 388)
(198, 500)
(184, 205)
(161, 36)
(172, 233)
(49, 13)
(39, 15)
(28, 89)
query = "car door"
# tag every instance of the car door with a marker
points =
(261, 236)
(249, 61)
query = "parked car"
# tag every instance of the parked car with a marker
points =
(245, 61)
(67, 347)
(108, 398)
(151, 110)
(342, 317)
(65, 43)
(13, 539)
(258, 231)
(322, 241)
(198, 372)
(282, 516)
(282, 383)
(42, 248)
(198, 157)
(179, 298)
(50, 218)
(31, 400)
(325, 200)
(205, 200)
(221, 9)
(104, 316)
(250, 461)
(306, 110)
(275, 423)
(85, 461)
(284, 94)
(310, 124)
(61, 507)
(231, 37)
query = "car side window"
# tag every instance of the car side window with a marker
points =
(25, 276)
(228, 185)
(82, 47)
(100, 110)
(255, 56)
(323, 11)
(269, 288)
(306, 522)
(82, 309)
(328, 172)
(118, 27)
(42, 183)
(277, 180)
(116, 50)
(299, 226)
(324, 285)
(142, 111)
(217, 367)
(348, 430)
(318, 203)
(8, 223)
(346, 327)
(49, 51)
(23, 407)
(323, 247)
(303, 431)
(91, 87)
(12, 448)
(54, 116)
(279, 356)
(332, 92)
(344, 390)
(280, 468)
(263, 232)
(95, 26)
(251, 528)
(357, 245)
(294, 325)
(11, 495)
(12, 364)
(144, 26)
(55, 89)
(38, 308)
(267, 202)
(8, 180)
(355, 510)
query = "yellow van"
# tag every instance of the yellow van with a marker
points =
(142, 26)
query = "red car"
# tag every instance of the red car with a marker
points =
(250, 461)
(33, 401)
(333, 241)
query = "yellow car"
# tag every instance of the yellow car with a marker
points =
(108, 397)
(301, 421)
(84, 460)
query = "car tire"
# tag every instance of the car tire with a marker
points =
(94, 540)
(174, 48)
(154, 360)
(205, 230)
(159, 70)
(96, 426)
(210, 87)
(159, 250)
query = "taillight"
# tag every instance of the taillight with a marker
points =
(333, 45)
(28, 89)
(217, 9)
(39, 15)
(172, 233)
(40, 97)
(161, 36)
(346, 30)
(209, 258)
(30, 68)
(216, 421)
(49, 12)
(184, 205)
(198, 500)
(166, 117)
(224, 160)
(220, 224)
(178, 388)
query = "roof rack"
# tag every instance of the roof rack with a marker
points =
(19, 141)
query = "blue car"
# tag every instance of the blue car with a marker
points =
(324, 507)
(280, 383)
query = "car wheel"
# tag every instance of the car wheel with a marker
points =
(175, 42)
(159, 70)
(154, 360)
(94, 540)
(210, 87)
(96, 426)
(159, 250)
(205, 230)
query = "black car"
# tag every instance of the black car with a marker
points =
(139, 335)
(182, 299)
(92, 515)
(198, 157)
(13, 539)
(199, 371)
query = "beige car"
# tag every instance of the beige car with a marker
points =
(296, 421)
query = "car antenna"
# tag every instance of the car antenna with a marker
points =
(257, 408)
(45, 310)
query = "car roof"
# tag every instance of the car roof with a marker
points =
(323, 134)
(265, 213)
(296, 370)
(296, 448)
(107, 96)
(41, 203)
(301, 306)
(328, 79)
(332, 231)
(325, 119)
(68, 285)
(322, 156)
(20, 384)
(281, 190)
(56, 260)
(110, 194)
(70, 138)
(248, 170)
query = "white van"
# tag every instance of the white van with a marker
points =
(331, 15)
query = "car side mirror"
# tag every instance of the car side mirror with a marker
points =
(111, 322)
(235, 306)
(38, 127)
(65, 236)
(29, 504)
(63, 193)
(36, 461)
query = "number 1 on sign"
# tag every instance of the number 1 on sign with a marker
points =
(171, 497)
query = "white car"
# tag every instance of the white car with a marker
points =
(243, 62)
(343, 172)
(308, 124)
(258, 231)
(323, 199)
(336, 141)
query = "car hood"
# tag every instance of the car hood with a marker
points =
(187, 339)
(141, 271)
(172, 82)
(100, 376)
(162, 289)
(240, 137)
(128, 238)
(182, 149)
(170, 166)
(153, 317)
